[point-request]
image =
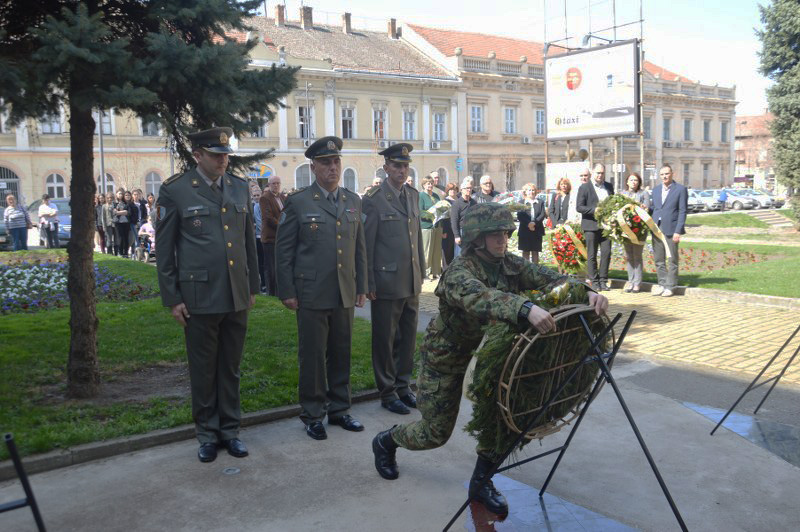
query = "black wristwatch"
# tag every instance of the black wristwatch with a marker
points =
(525, 310)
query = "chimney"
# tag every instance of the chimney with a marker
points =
(392, 25)
(306, 19)
(280, 15)
(346, 26)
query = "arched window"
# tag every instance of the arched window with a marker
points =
(380, 172)
(349, 180)
(56, 188)
(109, 184)
(442, 176)
(302, 176)
(152, 182)
(9, 181)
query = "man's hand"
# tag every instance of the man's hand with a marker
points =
(290, 303)
(372, 296)
(180, 313)
(599, 302)
(252, 300)
(444, 235)
(542, 320)
(531, 226)
(676, 238)
(458, 241)
(361, 299)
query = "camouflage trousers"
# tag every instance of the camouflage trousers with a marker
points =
(438, 398)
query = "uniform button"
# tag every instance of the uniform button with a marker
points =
(340, 252)
(409, 233)
(338, 237)
(224, 210)
(191, 276)
(338, 222)
(230, 262)
(340, 265)
(302, 275)
(383, 267)
(226, 227)
(231, 245)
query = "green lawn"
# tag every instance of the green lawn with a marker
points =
(731, 219)
(133, 336)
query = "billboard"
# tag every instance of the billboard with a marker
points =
(593, 93)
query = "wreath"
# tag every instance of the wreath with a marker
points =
(568, 246)
(622, 218)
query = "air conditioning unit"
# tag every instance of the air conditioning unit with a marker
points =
(383, 143)
(435, 145)
(526, 140)
(667, 144)
(677, 144)
(307, 143)
(392, 142)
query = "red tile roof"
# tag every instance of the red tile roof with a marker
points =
(753, 125)
(506, 48)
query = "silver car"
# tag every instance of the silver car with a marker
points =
(764, 200)
(708, 200)
(737, 201)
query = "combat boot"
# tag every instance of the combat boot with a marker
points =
(384, 449)
(487, 495)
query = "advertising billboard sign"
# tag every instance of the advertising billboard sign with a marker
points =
(593, 93)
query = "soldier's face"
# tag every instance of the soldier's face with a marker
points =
(496, 243)
(212, 164)
(327, 171)
(396, 172)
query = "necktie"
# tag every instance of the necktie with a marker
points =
(215, 187)
(332, 198)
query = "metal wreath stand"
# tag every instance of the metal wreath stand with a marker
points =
(556, 379)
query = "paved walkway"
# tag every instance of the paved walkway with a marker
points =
(717, 335)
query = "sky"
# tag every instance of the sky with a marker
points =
(710, 41)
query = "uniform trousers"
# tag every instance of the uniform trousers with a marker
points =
(394, 336)
(667, 273)
(595, 240)
(214, 344)
(324, 360)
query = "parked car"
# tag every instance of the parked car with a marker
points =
(64, 219)
(6, 242)
(708, 200)
(694, 204)
(778, 201)
(737, 201)
(764, 200)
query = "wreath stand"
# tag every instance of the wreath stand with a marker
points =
(604, 361)
(774, 379)
(29, 499)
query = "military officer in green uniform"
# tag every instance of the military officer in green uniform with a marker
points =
(480, 286)
(395, 265)
(208, 276)
(321, 267)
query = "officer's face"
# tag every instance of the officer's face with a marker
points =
(327, 170)
(212, 164)
(496, 243)
(396, 172)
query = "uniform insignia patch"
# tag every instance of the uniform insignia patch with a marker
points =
(223, 138)
(363, 218)
(331, 145)
(313, 227)
(197, 222)
(405, 151)
(160, 213)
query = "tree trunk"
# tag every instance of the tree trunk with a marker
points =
(83, 371)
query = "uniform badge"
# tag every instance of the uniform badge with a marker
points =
(405, 151)
(282, 218)
(197, 222)
(195, 183)
(331, 145)
(223, 138)
(389, 197)
(313, 227)
(160, 213)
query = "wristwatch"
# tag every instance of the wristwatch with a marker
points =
(525, 310)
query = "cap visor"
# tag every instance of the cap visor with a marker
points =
(218, 149)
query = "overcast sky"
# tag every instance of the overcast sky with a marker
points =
(711, 41)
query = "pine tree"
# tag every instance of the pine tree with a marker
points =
(780, 61)
(167, 60)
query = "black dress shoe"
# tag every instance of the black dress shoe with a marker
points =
(384, 448)
(396, 406)
(235, 447)
(207, 452)
(316, 430)
(410, 400)
(347, 422)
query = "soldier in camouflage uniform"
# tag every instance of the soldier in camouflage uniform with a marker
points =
(480, 286)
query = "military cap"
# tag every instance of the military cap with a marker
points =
(215, 140)
(325, 147)
(485, 218)
(398, 152)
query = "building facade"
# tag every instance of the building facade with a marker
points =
(754, 164)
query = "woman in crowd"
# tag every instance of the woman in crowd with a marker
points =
(633, 252)
(151, 204)
(48, 222)
(431, 235)
(122, 223)
(448, 240)
(136, 207)
(531, 224)
(100, 233)
(17, 221)
(461, 204)
(559, 206)
(108, 224)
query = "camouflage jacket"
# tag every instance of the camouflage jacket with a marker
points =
(471, 295)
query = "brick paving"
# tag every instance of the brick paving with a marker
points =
(727, 336)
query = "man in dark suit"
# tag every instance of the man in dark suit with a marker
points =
(589, 195)
(271, 203)
(396, 265)
(208, 276)
(670, 200)
(321, 266)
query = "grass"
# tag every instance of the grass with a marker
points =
(732, 219)
(133, 336)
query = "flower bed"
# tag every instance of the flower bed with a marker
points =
(31, 287)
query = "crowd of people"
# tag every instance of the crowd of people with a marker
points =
(123, 220)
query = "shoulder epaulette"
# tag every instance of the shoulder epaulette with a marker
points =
(171, 179)
(374, 190)
(293, 192)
